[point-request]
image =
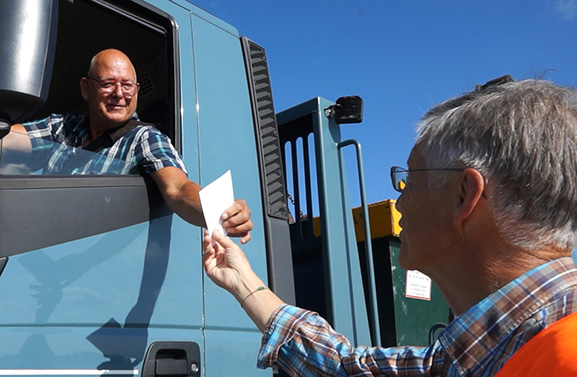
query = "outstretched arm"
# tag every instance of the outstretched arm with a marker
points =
(181, 195)
(227, 266)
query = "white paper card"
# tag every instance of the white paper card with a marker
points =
(418, 285)
(215, 198)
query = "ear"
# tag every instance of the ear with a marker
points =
(470, 186)
(84, 88)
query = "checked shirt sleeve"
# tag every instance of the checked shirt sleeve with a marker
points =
(154, 151)
(303, 343)
(45, 132)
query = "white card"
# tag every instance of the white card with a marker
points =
(215, 198)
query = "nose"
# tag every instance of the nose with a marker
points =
(399, 202)
(118, 90)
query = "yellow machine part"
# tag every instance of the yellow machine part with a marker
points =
(383, 216)
(384, 219)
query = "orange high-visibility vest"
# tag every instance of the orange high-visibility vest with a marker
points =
(551, 353)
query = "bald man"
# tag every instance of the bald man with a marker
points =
(111, 91)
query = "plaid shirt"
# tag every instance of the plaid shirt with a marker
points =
(477, 343)
(57, 140)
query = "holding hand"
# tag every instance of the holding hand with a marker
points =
(227, 266)
(236, 220)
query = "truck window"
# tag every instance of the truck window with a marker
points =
(77, 206)
(86, 27)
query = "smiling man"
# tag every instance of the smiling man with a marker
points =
(111, 90)
(489, 212)
(122, 143)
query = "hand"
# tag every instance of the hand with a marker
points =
(236, 220)
(227, 266)
(225, 262)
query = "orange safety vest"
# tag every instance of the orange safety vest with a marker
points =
(551, 353)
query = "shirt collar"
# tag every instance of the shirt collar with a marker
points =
(471, 336)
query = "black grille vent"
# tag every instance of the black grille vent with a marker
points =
(266, 130)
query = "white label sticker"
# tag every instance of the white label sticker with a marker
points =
(418, 286)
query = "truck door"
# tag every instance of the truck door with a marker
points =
(95, 269)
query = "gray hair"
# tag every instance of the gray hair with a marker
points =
(522, 137)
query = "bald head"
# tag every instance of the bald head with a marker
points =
(108, 59)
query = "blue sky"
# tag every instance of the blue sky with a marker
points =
(401, 57)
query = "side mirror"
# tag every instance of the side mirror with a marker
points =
(27, 41)
(347, 110)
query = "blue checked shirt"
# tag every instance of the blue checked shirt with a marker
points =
(477, 343)
(57, 144)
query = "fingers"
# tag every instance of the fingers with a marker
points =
(223, 240)
(207, 244)
(218, 242)
(238, 209)
(236, 219)
(208, 249)
(246, 238)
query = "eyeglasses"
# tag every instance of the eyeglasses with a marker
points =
(108, 86)
(399, 176)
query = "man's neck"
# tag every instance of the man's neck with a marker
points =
(464, 283)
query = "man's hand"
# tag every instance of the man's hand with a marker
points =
(236, 221)
(181, 195)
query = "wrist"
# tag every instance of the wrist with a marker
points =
(256, 291)
(246, 286)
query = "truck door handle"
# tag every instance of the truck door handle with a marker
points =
(172, 358)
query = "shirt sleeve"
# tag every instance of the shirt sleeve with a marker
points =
(41, 133)
(155, 151)
(303, 343)
(39, 128)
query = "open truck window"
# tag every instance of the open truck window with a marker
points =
(86, 27)
(83, 28)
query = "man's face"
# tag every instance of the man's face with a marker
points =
(426, 219)
(110, 107)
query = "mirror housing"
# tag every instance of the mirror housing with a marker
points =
(28, 31)
(347, 109)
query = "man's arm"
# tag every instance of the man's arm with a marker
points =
(181, 196)
(299, 341)
(17, 140)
